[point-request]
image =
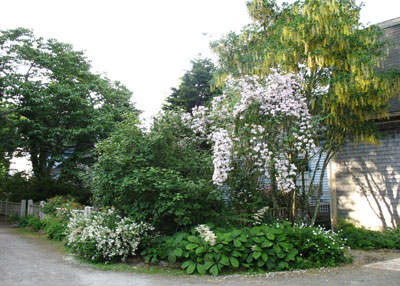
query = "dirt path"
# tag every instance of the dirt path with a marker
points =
(28, 261)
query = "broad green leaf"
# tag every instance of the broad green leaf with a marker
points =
(208, 264)
(286, 245)
(171, 257)
(236, 233)
(191, 246)
(281, 255)
(270, 236)
(264, 256)
(292, 254)
(186, 264)
(214, 270)
(266, 244)
(256, 254)
(236, 253)
(234, 261)
(200, 269)
(191, 268)
(194, 239)
(283, 265)
(237, 243)
(178, 252)
(277, 248)
(224, 260)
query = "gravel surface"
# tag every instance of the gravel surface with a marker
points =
(25, 260)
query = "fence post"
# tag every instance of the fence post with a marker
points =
(6, 207)
(30, 209)
(41, 214)
(88, 211)
(23, 208)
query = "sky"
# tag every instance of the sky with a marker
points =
(146, 45)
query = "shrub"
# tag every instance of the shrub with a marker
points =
(104, 236)
(318, 247)
(257, 249)
(361, 238)
(55, 227)
(65, 203)
(31, 221)
(162, 177)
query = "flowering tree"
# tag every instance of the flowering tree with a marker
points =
(261, 129)
(344, 85)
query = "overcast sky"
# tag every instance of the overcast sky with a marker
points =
(147, 45)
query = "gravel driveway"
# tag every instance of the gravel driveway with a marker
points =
(28, 261)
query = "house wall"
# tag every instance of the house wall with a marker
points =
(367, 180)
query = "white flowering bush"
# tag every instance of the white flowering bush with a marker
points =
(262, 127)
(104, 236)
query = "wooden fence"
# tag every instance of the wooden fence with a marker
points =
(21, 209)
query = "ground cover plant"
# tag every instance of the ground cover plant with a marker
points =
(279, 246)
(362, 238)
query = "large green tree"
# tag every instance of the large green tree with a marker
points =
(57, 107)
(196, 89)
(338, 56)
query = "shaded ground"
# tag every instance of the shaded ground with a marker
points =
(26, 260)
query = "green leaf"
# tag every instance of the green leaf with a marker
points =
(256, 254)
(237, 243)
(236, 253)
(191, 268)
(200, 269)
(292, 254)
(214, 270)
(193, 239)
(178, 252)
(270, 236)
(224, 260)
(234, 262)
(186, 264)
(264, 257)
(236, 233)
(200, 249)
(286, 245)
(276, 230)
(277, 248)
(191, 246)
(208, 264)
(266, 244)
(171, 258)
(283, 265)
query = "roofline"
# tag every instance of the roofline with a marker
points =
(389, 23)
